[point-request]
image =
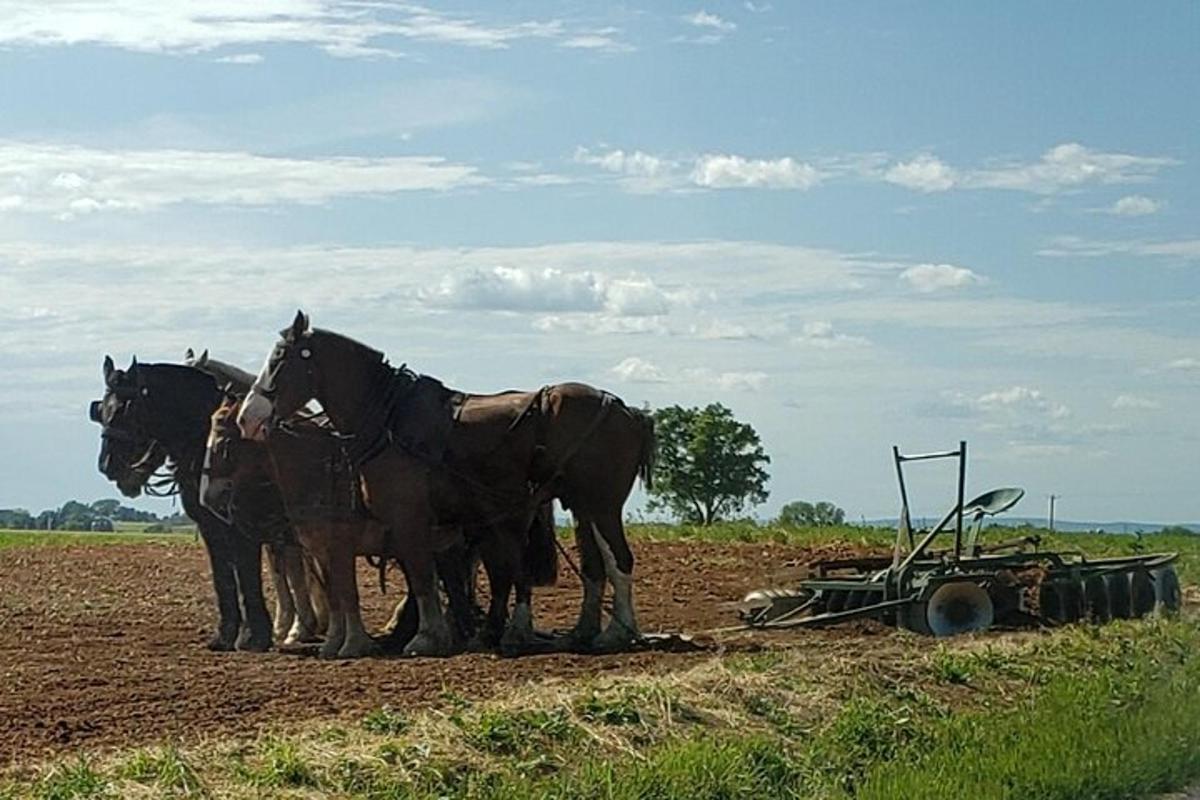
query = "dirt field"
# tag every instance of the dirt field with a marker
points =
(104, 645)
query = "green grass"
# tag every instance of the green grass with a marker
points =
(57, 538)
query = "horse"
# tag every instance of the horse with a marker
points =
(429, 455)
(157, 414)
(321, 492)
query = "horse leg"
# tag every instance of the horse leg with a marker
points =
(434, 637)
(454, 569)
(498, 565)
(285, 608)
(618, 564)
(304, 628)
(220, 559)
(326, 555)
(357, 642)
(256, 625)
(591, 564)
(402, 626)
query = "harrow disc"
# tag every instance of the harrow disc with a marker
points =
(1144, 596)
(1166, 582)
(1095, 598)
(1120, 600)
(1061, 601)
(960, 607)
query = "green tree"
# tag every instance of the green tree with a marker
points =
(708, 466)
(106, 508)
(800, 513)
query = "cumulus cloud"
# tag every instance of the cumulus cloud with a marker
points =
(1134, 205)
(936, 277)
(549, 289)
(1021, 399)
(345, 28)
(638, 370)
(68, 180)
(733, 171)
(1184, 364)
(241, 58)
(703, 19)
(924, 173)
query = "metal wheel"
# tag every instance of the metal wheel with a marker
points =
(959, 607)
(1095, 599)
(1170, 596)
(856, 599)
(1144, 597)
(1120, 599)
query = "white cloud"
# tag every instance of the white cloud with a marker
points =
(638, 370)
(241, 58)
(821, 334)
(935, 277)
(924, 173)
(504, 288)
(1021, 399)
(635, 163)
(1135, 205)
(68, 180)
(740, 381)
(733, 171)
(1184, 364)
(1134, 402)
(344, 28)
(703, 19)
(601, 41)
(1065, 166)
(1076, 247)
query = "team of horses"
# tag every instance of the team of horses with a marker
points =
(330, 453)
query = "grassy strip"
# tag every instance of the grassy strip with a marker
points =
(39, 538)
(1082, 712)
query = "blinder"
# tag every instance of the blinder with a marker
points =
(95, 410)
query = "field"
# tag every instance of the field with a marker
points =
(106, 690)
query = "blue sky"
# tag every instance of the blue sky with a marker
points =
(856, 225)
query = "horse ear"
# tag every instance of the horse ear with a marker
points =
(203, 359)
(299, 324)
(189, 356)
(109, 368)
(133, 363)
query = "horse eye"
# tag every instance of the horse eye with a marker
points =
(305, 353)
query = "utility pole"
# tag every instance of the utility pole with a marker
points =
(1053, 497)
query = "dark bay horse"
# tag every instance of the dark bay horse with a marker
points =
(156, 414)
(431, 457)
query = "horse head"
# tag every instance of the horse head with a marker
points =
(129, 452)
(228, 459)
(287, 380)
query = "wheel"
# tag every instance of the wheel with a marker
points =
(1095, 599)
(959, 607)
(1144, 597)
(1170, 596)
(913, 617)
(1120, 600)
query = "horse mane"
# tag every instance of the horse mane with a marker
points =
(230, 377)
(370, 352)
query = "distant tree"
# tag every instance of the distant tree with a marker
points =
(1179, 530)
(16, 519)
(709, 465)
(106, 508)
(805, 514)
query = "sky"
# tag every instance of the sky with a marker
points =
(856, 225)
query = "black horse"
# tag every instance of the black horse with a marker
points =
(156, 414)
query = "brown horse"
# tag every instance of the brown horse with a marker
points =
(429, 456)
(321, 492)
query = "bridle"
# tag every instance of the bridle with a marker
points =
(160, 481)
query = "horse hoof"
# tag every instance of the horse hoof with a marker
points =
(359, 651)
(614, 639)
(253, 641)
(424, 644)
(221, 644)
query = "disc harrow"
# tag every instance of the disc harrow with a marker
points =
(968, 586)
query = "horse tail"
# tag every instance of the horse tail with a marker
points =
(541, 548)
(648, 450)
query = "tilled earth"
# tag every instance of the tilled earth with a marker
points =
(103, 645)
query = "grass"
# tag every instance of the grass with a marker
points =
(1102, 712)
(57, 538)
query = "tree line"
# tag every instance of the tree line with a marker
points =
(73, 515)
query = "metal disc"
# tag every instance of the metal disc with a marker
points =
(961, 607)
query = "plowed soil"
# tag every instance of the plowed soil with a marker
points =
(103, 645)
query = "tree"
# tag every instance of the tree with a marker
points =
(800, 513)
(708, 466)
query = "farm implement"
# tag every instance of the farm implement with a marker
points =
(966, 585)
